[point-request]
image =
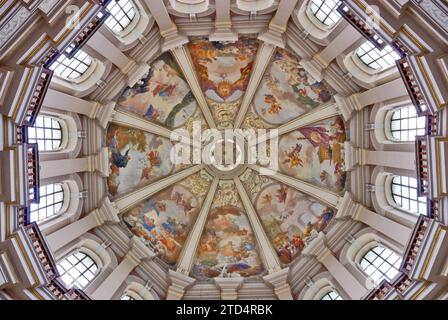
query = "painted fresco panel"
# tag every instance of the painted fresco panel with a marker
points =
(136, 158)
(288, 91)
(163, 96)
(164, 221)
(227, 247)
(224, 70)
(290, 218)
(316, 154)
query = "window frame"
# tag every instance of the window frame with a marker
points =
(327, 15)
(82, 273)
(61, 127)
(389, 119)
(113, 19)
(395, 265)
(55, 214)
(329, 292)
(66, 62)
(394, 196)
(367, 66)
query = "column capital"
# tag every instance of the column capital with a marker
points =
(179, 282)
(139, 251)
(348, 105)
(348, 208)
(106, 213)
(99, 162)
(103, 113)
(172, 39)
(314, 67)
(279, 280)
(318, 248)
(353, 156)
(229, 287)
(273, 37)
(136, 72)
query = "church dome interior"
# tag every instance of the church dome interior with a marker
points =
(223, 150)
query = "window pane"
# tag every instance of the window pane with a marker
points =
(332, 295)
(377, 59)
(385, 265)
(325, 11)
(405, 124)
(404, 193)
(122, 12)
(50, 202)
(72, 68)
(47, 133)
(73, 270)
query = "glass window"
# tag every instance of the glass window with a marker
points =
(127, 297)
(74, 68)
(332, 295)
(50, 203)
(122, 12)
(404, 192)
(405, 124)
(47, 133)
(77, 270)
(377, 59)
(381, 263)
(325, 11)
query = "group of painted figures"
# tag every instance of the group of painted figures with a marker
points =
(313, 154)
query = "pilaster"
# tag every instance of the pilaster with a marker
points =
(179, 283)
(129, 200)
(223, 23)
(229, 287)
(187, 255)
(103, 113)
(318, 249)
(184, 61)
(99, 162)
(266, 250)
(279, 280)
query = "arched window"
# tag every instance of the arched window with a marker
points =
(122, 12)
(325, 11)
(405, 124)
(127, 297)
(404, 193)
(77, 270)
(377, 59)
(50, 203)
(47, 133)
(380, 263)
(332, 295)
(74, 68)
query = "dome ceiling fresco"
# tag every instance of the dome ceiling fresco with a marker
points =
(164, 220)
(136, 159)
(290, 218)
(285, 92)
(162, 96)
(224, 70)
(315, 154)
(228, 246)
